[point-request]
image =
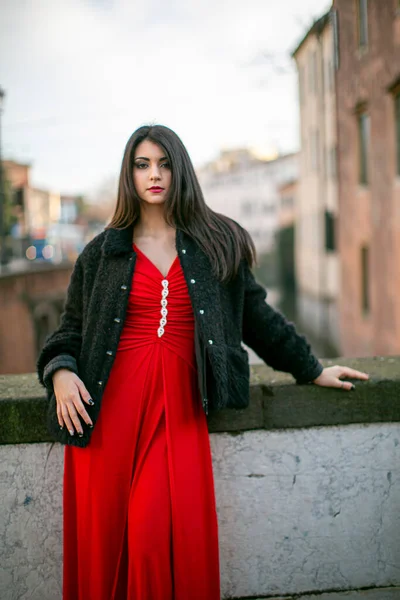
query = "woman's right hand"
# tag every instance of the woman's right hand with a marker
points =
(68, 390)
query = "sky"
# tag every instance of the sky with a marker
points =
(81, 75)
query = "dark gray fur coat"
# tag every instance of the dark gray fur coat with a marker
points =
(225, 315)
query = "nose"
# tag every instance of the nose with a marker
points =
(155, 173)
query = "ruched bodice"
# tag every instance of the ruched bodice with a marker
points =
(159, 310)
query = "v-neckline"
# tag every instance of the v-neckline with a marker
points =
(151, 262)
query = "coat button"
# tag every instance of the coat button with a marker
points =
(124, 287)
(109, 352)
(201, 311)
(192, 281)
(99, 383)
(210, 342)
(117, 320)
(183, 251)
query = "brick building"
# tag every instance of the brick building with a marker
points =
(368, 129)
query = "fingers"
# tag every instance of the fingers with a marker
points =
(84, 393)
(331, 377)
(68, 411)
(70, 418)
(347, 372)
(352, 374)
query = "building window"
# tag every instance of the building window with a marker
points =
(397, 114)
(362, 6)
(363, 144)
(19, 197)
(365, 300)
(329, 231)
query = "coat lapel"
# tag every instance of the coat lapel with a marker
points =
(118, 241)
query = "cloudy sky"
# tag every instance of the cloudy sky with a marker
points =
(81, 75)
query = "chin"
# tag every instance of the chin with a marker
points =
(153, 200)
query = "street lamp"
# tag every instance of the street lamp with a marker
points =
(2, 198)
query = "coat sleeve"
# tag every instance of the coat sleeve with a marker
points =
(62, 347)
(274, 338)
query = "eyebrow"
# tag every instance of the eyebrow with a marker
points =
(145, 158)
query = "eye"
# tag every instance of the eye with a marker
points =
(165, 165)
(140, 165)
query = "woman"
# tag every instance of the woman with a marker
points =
(156, 310)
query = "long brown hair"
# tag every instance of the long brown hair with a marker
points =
(224, 241)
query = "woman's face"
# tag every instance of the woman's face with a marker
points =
(151, 169)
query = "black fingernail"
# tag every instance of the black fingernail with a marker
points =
(71, 431)
(353, 387)
(91, 401)
(61, 426)
(80, 434)
(91, 425)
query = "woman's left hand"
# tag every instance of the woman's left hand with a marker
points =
(330, 377)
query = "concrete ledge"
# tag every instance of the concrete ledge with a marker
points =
(276, 402)
(374, 594)
(304, 510)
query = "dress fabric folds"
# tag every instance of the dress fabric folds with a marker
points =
(139, 518)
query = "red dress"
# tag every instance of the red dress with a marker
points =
(140, 520)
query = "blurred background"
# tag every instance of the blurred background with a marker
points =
(290, 112)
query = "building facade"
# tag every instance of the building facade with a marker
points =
(246, 188)
(368, 118)
(316, 256)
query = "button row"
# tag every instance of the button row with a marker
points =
(164, 311)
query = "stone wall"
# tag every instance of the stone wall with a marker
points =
(307, 486)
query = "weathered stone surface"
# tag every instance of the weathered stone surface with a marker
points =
(308, 509)
(276, 402)
(298, 510)
(307, 484)
(376, 594)
(30, 522)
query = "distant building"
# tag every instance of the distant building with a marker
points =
(287, 206)
(69, 209)
(245, 187)
(36, 209)
(42, 209)
(368, 107)
(317, 267)
(18, 176)
(286, 264)
(46, 227)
